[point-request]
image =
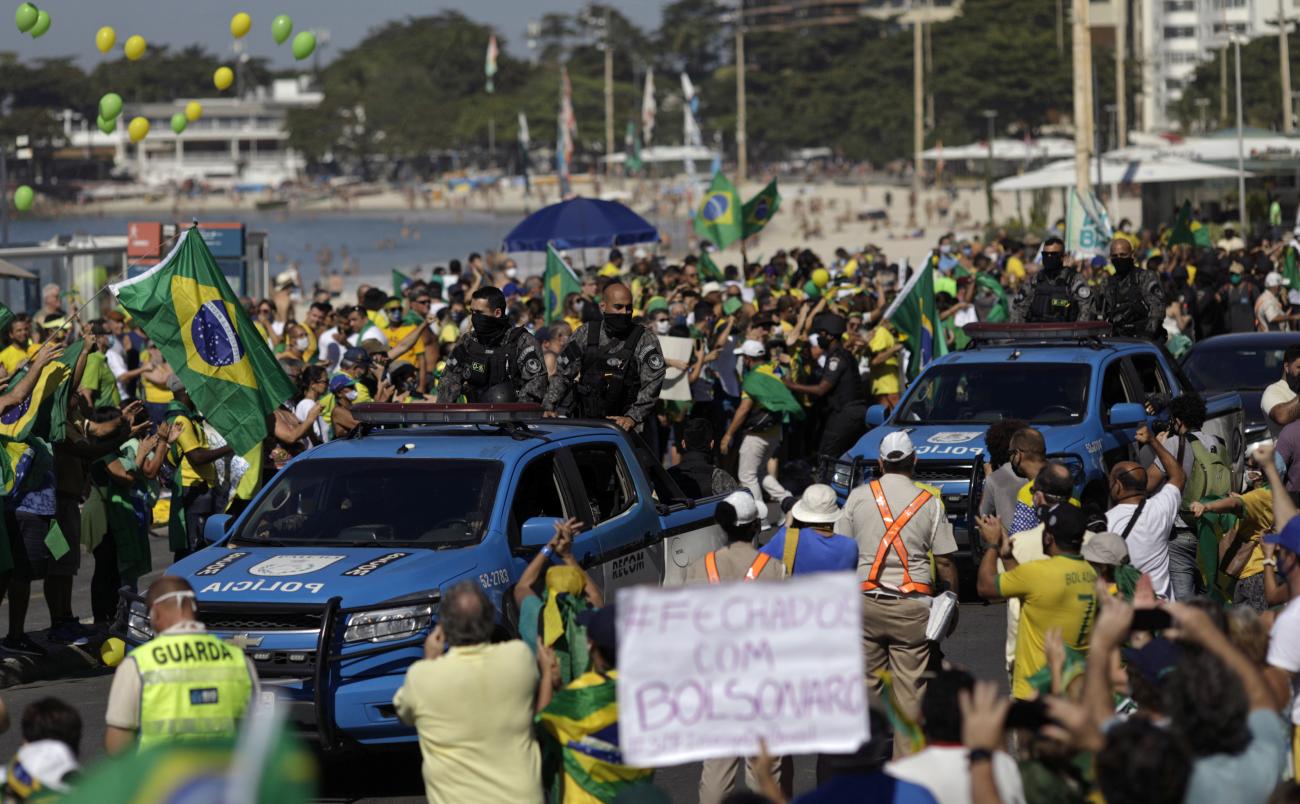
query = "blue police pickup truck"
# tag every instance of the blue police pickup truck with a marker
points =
(1087, 392)
(330, 580)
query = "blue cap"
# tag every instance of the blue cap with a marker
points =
(1099, 261)
(1288, 537)
(600, 627)
(1154, 661)
(340, 381)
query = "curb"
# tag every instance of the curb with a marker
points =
(65, 661)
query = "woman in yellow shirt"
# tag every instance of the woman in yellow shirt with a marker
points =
(156, 393)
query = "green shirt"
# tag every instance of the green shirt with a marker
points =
(99, 378)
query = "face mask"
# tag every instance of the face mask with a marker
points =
(945, 248)
(662, 327)
(1235, 279)
(490, 326)
(302, 344)
(459, 317)
(1123, 265)
(511, 273)
(350, 395)
(1053, 261)
(618, 324)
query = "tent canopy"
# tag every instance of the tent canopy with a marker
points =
(580, 223)
(1149, 170)
(1004, 149)
(667, 153)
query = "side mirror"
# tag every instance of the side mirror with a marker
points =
(214, 530)
(876, 415)
(537, 531)
(1127, 414)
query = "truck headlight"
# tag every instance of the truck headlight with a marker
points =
(385, 625)
(138, 626)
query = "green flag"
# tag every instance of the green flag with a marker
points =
(718, 218)
(1182, 231)
(917, 320)
(400, 283)
(558, 282)
(760, 209)
(1289, 270)
(632, 141)
(770, 393)
(185, 305)
(708, 268)
(6, 318)
(45, 410)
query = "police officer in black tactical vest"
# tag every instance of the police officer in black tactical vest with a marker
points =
(611, 368)
(1056, 294)
(840, 387)
(493, 362)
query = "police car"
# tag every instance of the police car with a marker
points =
(332, 577)
(1086, 391)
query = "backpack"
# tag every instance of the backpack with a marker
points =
(1211, 477)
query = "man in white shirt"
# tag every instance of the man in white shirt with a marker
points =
(1283, 566)
(943, 766)
(1280, 402)
(1268, 308)
(1146, 520)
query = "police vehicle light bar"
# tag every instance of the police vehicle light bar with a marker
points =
(416, 413)
(1073, 330)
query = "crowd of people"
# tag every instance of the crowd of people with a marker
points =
(1145, 663)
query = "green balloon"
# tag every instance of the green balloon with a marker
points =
(23, 198)
(106, 126)
(304, 44)
(25, 17)
(42, 24)
(281, 27)
(110, 106)
(179, 122)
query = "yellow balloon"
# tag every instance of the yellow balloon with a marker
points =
(138, 129)
(112, 652)
(223, 77)
(193, 111)
(134, 47)
(240, 25)
(105, 38)
(820, 277)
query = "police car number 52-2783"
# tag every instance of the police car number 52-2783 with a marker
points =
(494, 578)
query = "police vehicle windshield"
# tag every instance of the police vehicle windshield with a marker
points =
(361, 502)
(1042, 393)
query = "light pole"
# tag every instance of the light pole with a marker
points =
(1203, 104)
(1241, 144)
(990, 115)
(1082, 63)
(1284, 59)
(1112, 127)
(742, 157)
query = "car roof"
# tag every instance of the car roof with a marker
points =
(1239, 340)
(1038, 352)
(465, 441)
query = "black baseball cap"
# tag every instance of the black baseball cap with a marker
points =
(600, 627)
(356, 356)
(1067, 523)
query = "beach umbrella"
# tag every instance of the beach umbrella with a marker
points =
(580, 223)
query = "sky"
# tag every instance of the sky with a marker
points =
(73, 23)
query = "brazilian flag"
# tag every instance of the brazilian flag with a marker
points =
(708, 269)
(580, 742)
(767, 391)
(400, 282)
(558, 282)
(719, 217)
(44, 411)
(760, 209)
(1001, 311)
(185, 305)
(1187, 231)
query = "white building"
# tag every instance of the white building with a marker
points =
(236, 143)
(1171, 37)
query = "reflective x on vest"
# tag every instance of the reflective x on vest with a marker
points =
(893, 538)
(755, 569)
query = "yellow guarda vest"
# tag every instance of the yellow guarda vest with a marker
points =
(193, 686)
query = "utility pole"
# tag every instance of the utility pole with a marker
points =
(991, 116)
(1121, 91)
(929, 65)
(1223, 85)
(742, 158)
(1083, 133)
(1241, 145)
(609, 100)
(1284, 56)
(918, 108)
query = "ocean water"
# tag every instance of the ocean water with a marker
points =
(375, 242)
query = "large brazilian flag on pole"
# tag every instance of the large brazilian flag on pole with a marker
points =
(557, 283)
(185, 305)
(718, 218)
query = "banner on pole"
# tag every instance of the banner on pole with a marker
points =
(1087, 227)
(705, 671)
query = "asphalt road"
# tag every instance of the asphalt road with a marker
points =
(394, 776)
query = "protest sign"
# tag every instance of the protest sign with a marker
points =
(676, 388)
(705, 671)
